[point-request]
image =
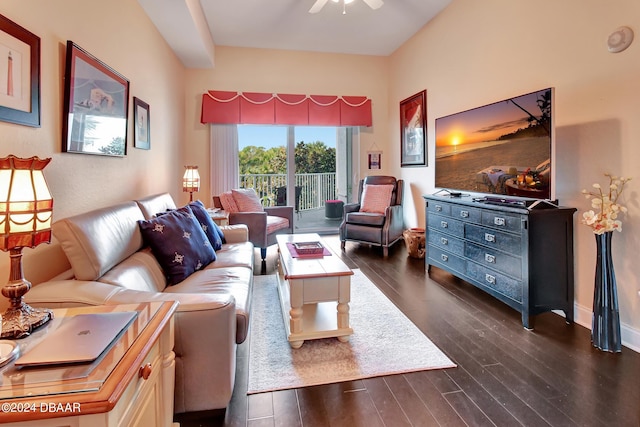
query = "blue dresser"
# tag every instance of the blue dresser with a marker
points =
(520, 254)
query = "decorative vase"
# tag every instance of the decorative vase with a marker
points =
(605, 325)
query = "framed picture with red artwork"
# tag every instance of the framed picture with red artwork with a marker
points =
(413, 130)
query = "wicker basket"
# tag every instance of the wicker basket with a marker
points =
(309, 248)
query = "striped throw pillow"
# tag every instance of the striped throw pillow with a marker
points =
(228, 203)
(376, 198)
(247, 200)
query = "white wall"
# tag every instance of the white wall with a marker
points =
(118, 33)
(475, 53)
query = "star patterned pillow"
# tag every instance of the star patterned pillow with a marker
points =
(209, 227)
(178, 243)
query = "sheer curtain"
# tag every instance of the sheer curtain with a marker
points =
(224, 172)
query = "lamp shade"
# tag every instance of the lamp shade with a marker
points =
(26, 204)
(191, 179)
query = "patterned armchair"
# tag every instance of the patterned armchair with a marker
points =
(377, 217)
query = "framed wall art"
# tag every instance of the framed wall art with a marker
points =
(19, 74)
(96, 106)
(374, 158)
(413, 130)
(141, 134)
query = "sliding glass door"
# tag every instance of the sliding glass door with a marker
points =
(299, 166)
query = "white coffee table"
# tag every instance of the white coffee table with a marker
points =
(309, 289)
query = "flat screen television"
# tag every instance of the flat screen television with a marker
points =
(502, 148)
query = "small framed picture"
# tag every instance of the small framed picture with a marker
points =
(19, 74)
(413, 130)
(141, 135)
(374, 159)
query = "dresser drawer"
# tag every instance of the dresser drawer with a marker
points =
(508, 264)
(493, 238)
(502, 221)
(500, 283)
(437, 207)
(447, 242)
(445, 225)
(450, 262)
(466, 214)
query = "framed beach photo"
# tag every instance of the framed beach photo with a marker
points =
(19, 74)
(141, 120)
(413, 130)
(96, 106)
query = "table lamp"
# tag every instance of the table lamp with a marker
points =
(191, 181)
(26, 209)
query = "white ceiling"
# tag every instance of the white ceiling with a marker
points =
(194, 27)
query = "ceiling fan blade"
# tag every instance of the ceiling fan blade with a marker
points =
(374, 4)
(319, 4)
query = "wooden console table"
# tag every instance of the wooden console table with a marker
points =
(130, 384)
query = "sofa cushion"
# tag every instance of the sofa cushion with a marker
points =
(210, 228)
(247, 200)
(234, 255)
(140, 272)
(365, 218)
(275, 223)
(96, 241)
(151, 205)
(236, 281)
(178, 242)
(376, 198)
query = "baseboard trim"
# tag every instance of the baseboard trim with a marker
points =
(630, 336)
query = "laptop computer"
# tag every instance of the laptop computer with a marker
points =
(80, 339)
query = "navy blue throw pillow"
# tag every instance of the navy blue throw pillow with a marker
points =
(178, 243)
(210, 228)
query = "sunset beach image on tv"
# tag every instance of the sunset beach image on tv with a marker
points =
(500, 148)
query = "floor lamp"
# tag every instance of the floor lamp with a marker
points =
(26, 209)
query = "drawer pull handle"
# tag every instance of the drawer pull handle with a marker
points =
(490, 279)
(438, 208)
(444, 241)
(444, 224)
(464, 214)
(490, 258)
(145, 371)
(489, 237)
(498, 221)
(444, 257)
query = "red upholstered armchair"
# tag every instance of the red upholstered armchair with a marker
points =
(377, 217)
(264, 223)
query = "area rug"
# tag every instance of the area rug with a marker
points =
(384, 342)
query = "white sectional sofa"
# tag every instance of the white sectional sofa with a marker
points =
(111, 265)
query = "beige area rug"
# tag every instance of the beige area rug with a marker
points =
(384, 342)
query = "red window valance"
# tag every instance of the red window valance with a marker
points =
(223, 107)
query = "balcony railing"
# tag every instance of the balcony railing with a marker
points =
(316, 188)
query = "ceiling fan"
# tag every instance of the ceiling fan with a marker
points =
(319, 4)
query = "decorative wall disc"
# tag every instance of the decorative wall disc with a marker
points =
(620, 39)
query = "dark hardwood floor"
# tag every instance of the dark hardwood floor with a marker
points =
(506, 375)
